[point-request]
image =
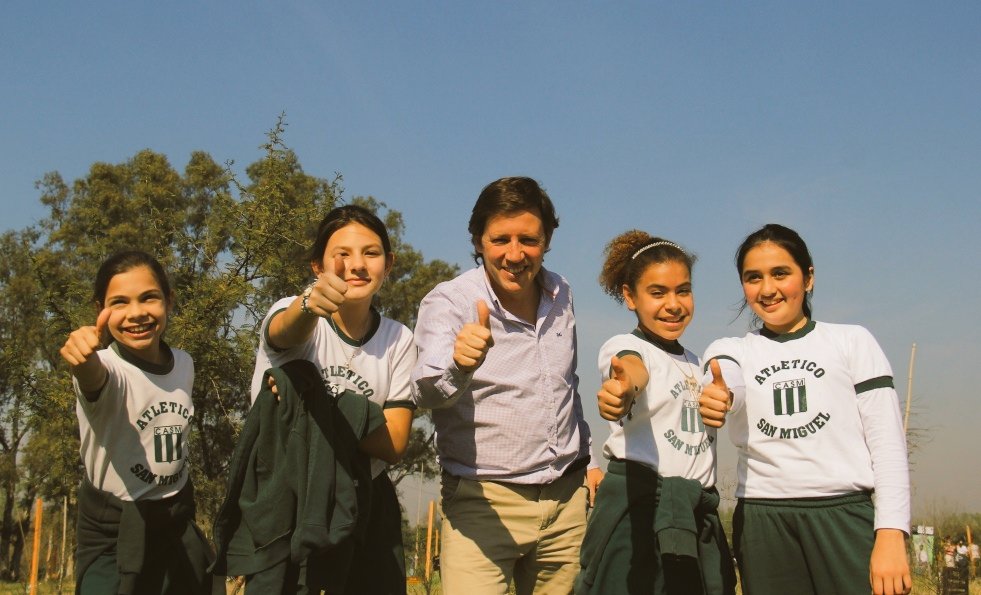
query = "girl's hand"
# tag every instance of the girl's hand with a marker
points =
(716, 399)
(617, 394)
(83, 342)
(888, 567)
(473, 341)
(327, 293)
(594, 477)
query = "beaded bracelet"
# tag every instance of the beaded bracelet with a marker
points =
(306, 296)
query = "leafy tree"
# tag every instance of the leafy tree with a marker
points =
(22, 380)
(232, 247)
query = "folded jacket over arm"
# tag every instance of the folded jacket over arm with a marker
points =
(298, 485)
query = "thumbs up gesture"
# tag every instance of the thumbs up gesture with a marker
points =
(83, 342)
(716, 399)
(616, 396)
(473, 341)
(327, 293)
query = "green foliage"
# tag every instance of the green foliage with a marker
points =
(24, 379)
(231, 247)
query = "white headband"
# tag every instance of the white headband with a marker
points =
(654, 245)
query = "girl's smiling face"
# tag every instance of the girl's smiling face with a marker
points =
(138, 312)
(662, 299)
(365, 263)
(776, 287)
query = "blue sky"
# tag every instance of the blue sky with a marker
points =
(856, 125)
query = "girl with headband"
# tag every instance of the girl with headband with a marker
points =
(655, 528)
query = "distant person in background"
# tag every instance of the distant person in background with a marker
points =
(961, 554)
(949, 550)
(497, 364)
(815, 418)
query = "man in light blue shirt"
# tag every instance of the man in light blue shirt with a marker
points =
(497, 364)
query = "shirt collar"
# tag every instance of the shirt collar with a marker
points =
(158, 369)
(672, 347)
(784, 337)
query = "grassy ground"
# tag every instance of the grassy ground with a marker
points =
(921, 586)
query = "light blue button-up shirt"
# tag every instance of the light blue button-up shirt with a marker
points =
(518, 417)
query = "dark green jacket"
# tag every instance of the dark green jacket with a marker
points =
(654, 535)
(298, 485)
(108, 524)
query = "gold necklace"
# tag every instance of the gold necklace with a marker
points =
(663, 345)
(690, 376)
(690, 380)
(341, 335)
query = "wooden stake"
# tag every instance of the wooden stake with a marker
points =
(909, 390)
(415, 554)
(36, 555)
(62, 565)
(429, 540)
(971, 561)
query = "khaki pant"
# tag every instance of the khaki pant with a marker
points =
(496, 532)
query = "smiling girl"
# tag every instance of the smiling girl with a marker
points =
(134, 409)
(655, 528)
(333, 324)
(815, 418)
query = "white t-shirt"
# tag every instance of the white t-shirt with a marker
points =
(815, 414)
(664, 430)
(134, 436)
(379, 369)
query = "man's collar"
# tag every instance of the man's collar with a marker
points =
(547, 282)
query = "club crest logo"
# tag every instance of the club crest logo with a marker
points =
(691, 421)
(168, 443)
(789, 397)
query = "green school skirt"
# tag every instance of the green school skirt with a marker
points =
(140, 547)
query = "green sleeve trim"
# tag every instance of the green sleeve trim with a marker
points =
(265, 330)
(874, 383)
(376, 419)
(705, 366)
(399, 405)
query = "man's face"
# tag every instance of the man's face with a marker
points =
(513, 247)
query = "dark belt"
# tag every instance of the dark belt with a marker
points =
(573, 468)
(577, 465)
